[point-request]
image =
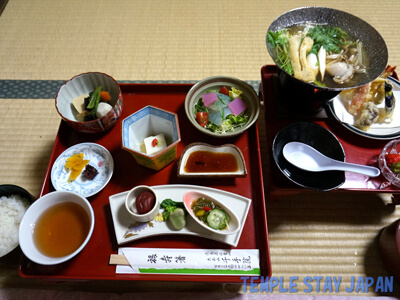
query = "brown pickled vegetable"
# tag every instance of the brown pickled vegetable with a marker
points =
(145, 202)
(90, 172)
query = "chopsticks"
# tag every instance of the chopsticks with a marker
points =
(116, 259)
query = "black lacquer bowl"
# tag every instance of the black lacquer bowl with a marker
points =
(375, 46)
(8, 190)
(321, 139)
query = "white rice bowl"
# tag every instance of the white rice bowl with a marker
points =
(12, 209)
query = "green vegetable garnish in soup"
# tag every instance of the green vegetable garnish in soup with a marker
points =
(210, 213)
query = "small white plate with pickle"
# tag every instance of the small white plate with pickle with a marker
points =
(99, 158)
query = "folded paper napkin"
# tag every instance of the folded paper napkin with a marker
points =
(190, 261)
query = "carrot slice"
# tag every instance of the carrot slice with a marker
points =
(105, 96)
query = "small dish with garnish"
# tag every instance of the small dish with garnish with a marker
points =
(97, 166)
(211, 213)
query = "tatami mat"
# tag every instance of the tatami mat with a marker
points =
(155, 40)
(313, 234)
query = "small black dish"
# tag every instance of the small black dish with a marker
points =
(6, 190)
(321, 139)
(11, 189)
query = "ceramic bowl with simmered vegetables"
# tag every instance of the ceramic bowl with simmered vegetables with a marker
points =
(222, 106)
(90, 102)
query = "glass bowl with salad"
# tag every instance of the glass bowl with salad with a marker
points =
(222, 106)
(389, 162)
(90, 102)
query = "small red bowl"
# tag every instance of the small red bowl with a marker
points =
(84, 84)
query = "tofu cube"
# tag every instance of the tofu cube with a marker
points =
(154, 144)
(79, 103)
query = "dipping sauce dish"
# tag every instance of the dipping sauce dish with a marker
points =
(204, 160)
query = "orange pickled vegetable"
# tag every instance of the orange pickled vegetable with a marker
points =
(105, 96)
(76, 164)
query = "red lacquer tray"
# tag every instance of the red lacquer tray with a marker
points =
(92, 262)
(358, 149)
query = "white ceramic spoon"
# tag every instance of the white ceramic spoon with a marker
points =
(307, 158)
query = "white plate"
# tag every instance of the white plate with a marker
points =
(126, 229)
(338, 107)
(98, 156)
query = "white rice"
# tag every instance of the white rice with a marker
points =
(12, 209)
